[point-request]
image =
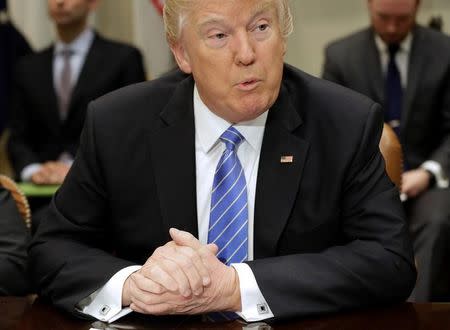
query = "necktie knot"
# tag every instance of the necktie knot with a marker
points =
(66, 53)
(232, 138)
(393, 49)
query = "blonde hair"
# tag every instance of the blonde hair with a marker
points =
(175, 12)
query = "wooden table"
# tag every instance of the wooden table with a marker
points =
(24, 314)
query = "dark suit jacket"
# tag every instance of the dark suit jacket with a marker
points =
(354, 62)
(14, 239)
(37, 133)
(12, 46)
(329, 228)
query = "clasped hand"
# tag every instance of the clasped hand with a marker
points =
(182, 277)
(52, 172)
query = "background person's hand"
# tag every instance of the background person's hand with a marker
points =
(415, 182)
(51, 173)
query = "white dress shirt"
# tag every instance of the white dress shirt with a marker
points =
(80, 48)
(105, 303)
(402, 61)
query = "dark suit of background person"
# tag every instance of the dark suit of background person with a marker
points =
(425, 126)
(329, 228)
(14, 239)
(37, 132)
(12, 46)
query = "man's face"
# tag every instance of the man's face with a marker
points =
(69, 12)
(235, 51)
(392, 20)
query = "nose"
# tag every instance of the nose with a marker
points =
(244, 49)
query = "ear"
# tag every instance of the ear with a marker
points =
(181, 56)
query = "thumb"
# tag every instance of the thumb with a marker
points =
(184, 238)
(213, 248)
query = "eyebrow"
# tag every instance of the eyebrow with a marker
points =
(260, 9)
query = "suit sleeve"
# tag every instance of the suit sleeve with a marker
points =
(14, 239)
(442, 153)
(71, 255)
(374, 265)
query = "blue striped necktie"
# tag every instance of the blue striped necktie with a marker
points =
(228, 221)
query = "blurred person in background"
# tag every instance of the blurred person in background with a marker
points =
(406, 68)
(12, 46)
(52, 88)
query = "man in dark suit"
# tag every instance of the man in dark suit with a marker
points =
(12, 46)
(413, 84)
(14, 239)
(273, 180)
(53, 87)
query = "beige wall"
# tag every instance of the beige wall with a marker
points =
(135, 21)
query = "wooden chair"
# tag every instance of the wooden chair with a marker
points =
(393, 155)
(19, 197)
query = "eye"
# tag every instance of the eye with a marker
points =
(216, 39)
(262, 27)
(220, 36)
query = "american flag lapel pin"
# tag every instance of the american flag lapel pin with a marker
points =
(287, 159)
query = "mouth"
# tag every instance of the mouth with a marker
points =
(248, 84)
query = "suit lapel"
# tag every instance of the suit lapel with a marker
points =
(417, 60)
(173, 158)
(92, 63)
(50, 93)
(373, 68)
(278, 182)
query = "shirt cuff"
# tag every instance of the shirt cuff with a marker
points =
(254, 306)
(105, 304)
(436, 169)
(66, 158)
(28, 171)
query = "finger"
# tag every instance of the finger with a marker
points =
(159, 309)
(199, 257)
(177, 272)
(46, 172)
(147, 285)
(168, 273)
(136, 294)
(193, 267)
(135, 308)
(156, 273)
(184, 238)
(37, 178)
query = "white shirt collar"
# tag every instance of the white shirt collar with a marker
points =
(209, 127)
(80, 45)
(405, 45)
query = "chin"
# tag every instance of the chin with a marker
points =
(250, 113)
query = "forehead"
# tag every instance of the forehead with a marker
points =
(394, 7)
(204, 11)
